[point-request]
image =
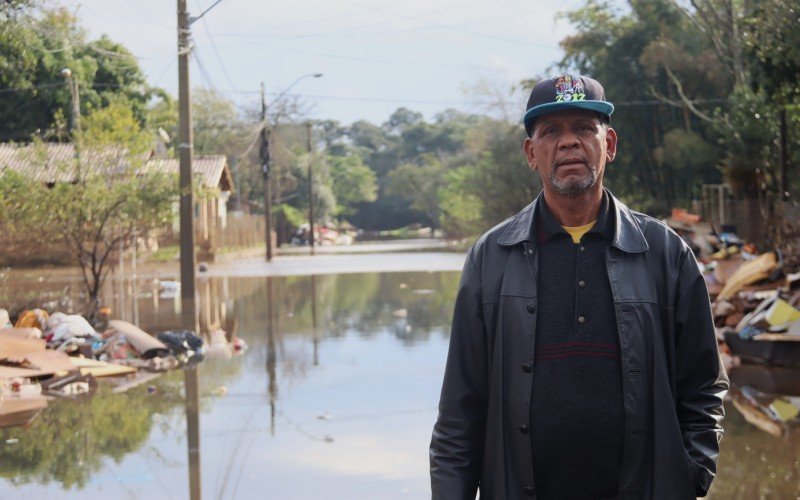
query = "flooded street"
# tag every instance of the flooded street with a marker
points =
(335, 398)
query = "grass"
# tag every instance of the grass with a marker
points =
(165, 254)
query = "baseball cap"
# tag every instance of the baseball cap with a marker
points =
(565, 92)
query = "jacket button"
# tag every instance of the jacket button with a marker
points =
(527, 368)
(582, 284)
(531, 306)
(581, 320)
(528, 490)
(523, 428)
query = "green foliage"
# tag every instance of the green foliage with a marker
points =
(462, 213)
(69, 441)
(420, 183)
(105, 207)
(747, 130)
(112, 125)
(353, 183)
(36, 43)
(690, 157)
(639, 55)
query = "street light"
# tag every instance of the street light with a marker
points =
(297, 80)
(72, 83)
(265, 157)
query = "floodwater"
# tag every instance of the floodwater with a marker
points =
(335, 398)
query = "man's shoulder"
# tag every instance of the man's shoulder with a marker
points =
(493, 239)
(661, 239)
(654, 228)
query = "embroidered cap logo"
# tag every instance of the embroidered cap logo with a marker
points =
(569, 88)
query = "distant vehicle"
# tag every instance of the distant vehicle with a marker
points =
(323, 236)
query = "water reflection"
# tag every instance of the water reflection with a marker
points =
(289, 323)
(336, 397)
(761, 448)
(192, 391)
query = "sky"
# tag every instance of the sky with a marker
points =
(375, 55)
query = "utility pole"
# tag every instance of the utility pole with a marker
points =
(310, 188)
(185, 155)
(265, 164)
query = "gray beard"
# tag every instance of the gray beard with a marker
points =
(572, 186)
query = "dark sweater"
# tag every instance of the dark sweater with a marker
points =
(577, 416)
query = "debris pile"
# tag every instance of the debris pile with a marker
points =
(47, 356)
(755, 294)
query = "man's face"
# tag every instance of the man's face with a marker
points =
(570, 150)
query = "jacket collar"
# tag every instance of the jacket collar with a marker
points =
(627, 234)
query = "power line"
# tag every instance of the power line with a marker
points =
(214, 48)
(59, 84)
(206, 76)
(365, 59)
(450, 27)
(716, 100)
(467, 101)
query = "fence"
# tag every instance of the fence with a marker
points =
(747, 216)
(237, 231)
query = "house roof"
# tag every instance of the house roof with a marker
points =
(57, 162)
(212, 170)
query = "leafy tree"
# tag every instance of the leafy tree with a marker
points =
(664, 75)
(104, 208)
(353, 183)
(494, 184)
(36, 43)
(420, 183)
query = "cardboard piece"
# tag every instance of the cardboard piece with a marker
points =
(20, 411)
(748, 273)
(145, 344)
(13, 344)
(781, 313)
(21, 332)
(100, 368)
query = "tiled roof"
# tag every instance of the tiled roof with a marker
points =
(57, 162)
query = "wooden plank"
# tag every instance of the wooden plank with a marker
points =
(12, 345)
(43, 363)
(20, 411)
(21, 332)
(101, 368)
(780, 337)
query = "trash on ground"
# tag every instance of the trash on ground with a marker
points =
(62, 356)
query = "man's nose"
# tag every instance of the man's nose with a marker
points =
(567, 140)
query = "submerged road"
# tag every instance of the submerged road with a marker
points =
(418, 255)
(329, 263)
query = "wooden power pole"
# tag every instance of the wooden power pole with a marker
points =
(310, 188)
(265, 166)
(185, 155)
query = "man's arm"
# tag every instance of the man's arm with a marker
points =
(701, 381)
(456, 450)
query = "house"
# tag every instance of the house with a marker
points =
(52, 163)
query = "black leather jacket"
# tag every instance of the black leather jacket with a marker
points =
(672, 378)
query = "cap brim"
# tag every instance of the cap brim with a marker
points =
(602, 107)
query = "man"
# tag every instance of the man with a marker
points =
(583, 362)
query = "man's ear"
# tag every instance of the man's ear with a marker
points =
(530, 155)
(611, 144)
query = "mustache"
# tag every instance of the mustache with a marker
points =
(573, 159)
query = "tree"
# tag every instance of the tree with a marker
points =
(353, 183)
(36, 43)
(664, 75)
(420, 183)
(105, 207)
(491, 184)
